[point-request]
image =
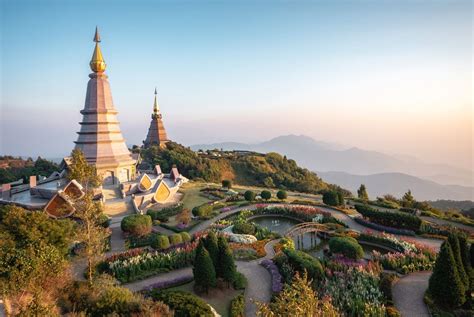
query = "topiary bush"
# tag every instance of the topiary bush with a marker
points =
(138, 225)
(244, 228)
(249, 195)
(185, 236)
(347, 246)
(160, 242)
(184, 304)
(281, 194)
(175, 239)
(266, 194)
(301, 261)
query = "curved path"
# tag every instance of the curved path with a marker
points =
(408, 293)
(259, 280)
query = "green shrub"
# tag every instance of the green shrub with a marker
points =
(400, 220)
(281, 194)
(331, 198)
(140, 241)
(185, 236)
(301, 261)
(184, 304)
(249, 195)
(237, 306)
(240, 281)
(175, 239)
(347, 246)
(161, 242)
(391, 311)
(244, 228)
(138, 225)
(266, 194)
(227, 184)
(386, 281)
(203, 210)
(203, 271)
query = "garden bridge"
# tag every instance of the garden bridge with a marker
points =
(313, 228)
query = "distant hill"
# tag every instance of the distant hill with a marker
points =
(397, 184)
(326, 157)
(268, 170)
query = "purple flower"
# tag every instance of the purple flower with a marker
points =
(277, 284)
(170, 283)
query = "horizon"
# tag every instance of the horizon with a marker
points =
(319, 71)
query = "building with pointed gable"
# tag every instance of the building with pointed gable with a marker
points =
(100, 137)
(156, 132)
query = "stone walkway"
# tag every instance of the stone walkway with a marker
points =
(259, 280)
(408, 293)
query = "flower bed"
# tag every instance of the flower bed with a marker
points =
(404, 263)
(386, 240)
(258, 246)
(378, 227)
(277, 284)
(399, 220)
(132, 266)
(303, 213)
(355, 291)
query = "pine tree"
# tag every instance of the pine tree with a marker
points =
(454, 242)
(222, 246)
(210, 243)
(226, 260)
(203, 271)
(464, 248)
(408, 199)
(362, 193)
(445, 285)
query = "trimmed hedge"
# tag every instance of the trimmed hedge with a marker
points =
(302, 261)
(175, 238)
(203, 210)
(138, 225)
(160, 242)
(244, 228)
(347, 246)
(184, 304)
(378, 227)
(398, 220)
(185, 236)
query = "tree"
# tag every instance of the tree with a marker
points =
(471, 254)
(249, 195)
(227, 184)
(90, 231)
(464, 249)
(82, 172)
(455, 247)
(211, 245)
(407, 199)
(362, 193)
(33, 260)
(203, 271)
(282, 195)
(331, 198)
(184, 216)
(266, 194)
(340, 198)
(298, 299)
(445, 286)
(226, 265)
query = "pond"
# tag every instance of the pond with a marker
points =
(281, 225)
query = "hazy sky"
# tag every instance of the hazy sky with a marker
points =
(394, 76)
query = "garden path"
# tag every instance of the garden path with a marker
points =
(408, 293)
(258, 278)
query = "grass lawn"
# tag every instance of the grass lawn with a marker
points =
(192, 195)
(218, 298)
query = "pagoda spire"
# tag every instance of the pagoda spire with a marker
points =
(97, 62)
(156, 109)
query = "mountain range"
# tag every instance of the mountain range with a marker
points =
(381, 173)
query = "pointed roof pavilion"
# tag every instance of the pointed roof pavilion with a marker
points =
(100, 137)
(156, 132)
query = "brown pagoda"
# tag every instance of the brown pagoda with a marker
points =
(100, 138)
(156, 133)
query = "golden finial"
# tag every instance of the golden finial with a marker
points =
(155, 105)
(97, 63)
